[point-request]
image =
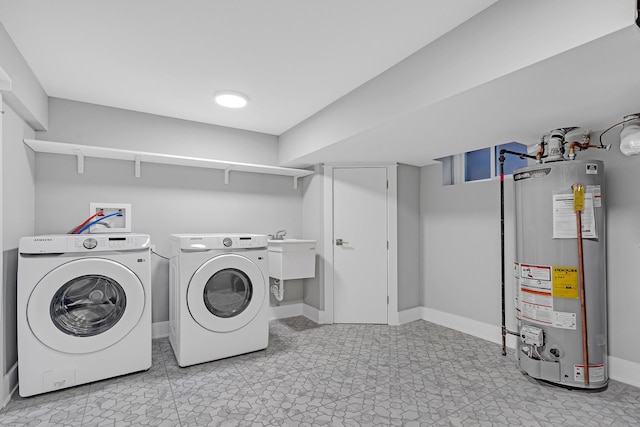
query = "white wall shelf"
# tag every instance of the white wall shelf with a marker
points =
(139, 157)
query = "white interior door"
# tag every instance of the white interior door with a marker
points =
(360, 245)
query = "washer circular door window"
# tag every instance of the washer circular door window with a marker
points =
(226, 293)
(85, 305)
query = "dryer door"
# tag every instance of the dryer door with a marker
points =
(85, 305)
(226, 293)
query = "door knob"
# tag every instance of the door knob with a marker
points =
(340, 242)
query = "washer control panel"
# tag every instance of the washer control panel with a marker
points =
(111, 242)
(70, 243)
(90, 243)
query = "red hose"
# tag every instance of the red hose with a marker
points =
(75, 230)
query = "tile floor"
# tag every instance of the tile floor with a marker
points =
(419, 374)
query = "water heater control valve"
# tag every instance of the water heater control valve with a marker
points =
(532, 335)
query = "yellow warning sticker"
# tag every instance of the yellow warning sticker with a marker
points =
(578, 197)
(564, 282)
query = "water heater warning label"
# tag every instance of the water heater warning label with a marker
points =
(596, 373)
(564, 217)
(536, 273)
(516, 290)
(536, 288)
(536, 300)
(564, 320)
(565, 282)
(597, 195)
(537, 313)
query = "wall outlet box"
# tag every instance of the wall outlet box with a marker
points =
(117, 217)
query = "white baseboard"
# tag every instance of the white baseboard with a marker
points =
(624, 371)
(9, 384)
(410, 315)
(285, 311)
(619, 369)
(311, 313)
(486, 331)
(325, 317)
(160, 329)
(393, 317)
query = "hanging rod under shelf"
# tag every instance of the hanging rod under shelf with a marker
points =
(139, 157)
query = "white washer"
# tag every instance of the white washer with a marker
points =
(218, 296)
(84, 309)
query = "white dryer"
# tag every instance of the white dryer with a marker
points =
(218, 296)
(84, 309)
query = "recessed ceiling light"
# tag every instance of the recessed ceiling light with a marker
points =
(231, 99)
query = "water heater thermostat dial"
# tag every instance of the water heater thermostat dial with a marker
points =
(227, 242)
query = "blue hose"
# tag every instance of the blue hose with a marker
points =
(98, 220)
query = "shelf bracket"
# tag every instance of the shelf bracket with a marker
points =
(137, 161)
(295, 182)
(80, 157)
(227, 171)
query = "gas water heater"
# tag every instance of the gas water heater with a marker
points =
(559, 273)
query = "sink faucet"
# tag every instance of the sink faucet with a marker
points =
(280, 235)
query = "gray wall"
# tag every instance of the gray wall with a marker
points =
(18, 194)
(622, 203)
(3, 309)
(409, 289)
(89, 124)
(461, 248)
(165, 199)
(461, 243)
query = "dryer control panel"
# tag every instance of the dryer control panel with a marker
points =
(220, 241)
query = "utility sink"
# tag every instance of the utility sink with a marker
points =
(292, 259)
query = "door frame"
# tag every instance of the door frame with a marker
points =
(326, 316)
(5, 391)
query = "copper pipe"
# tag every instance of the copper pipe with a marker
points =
(541, 151)
(581, 146)
(583, 306)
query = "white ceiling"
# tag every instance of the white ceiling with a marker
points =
(402, 81)
(592, 87)
(166, 57)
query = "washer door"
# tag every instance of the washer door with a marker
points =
(226, 293)
(85, 305)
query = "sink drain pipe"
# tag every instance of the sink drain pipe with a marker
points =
(277, 289)
(505, 331)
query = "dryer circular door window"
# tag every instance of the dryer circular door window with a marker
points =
(226, 293)
(85, 305)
